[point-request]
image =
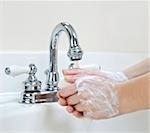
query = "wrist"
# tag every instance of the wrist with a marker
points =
(121, 76)
(133, 94)
(122, 99)
(126, 98)
(116, 76)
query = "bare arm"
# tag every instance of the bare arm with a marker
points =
(134, 94)
(138, 69)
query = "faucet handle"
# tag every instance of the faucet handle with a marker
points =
(32, 84)
(15, 70)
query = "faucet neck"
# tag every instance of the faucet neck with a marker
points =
(74, 52)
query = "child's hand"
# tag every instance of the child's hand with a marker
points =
(90, 94)
(68, 97)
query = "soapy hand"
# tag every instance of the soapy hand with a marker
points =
(91, 93)
(72, 74)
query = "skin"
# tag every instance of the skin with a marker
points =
(138, 69)
(133, 93)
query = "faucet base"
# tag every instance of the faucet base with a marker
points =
(39, 97)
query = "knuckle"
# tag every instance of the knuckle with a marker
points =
(69, 100)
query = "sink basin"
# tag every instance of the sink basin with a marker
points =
(37, 118)
(52, 118)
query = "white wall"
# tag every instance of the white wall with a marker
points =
(101, 26)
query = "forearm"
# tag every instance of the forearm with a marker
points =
(134, 94)
(138, 69)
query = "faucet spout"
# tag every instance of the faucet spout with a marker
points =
(74, 53)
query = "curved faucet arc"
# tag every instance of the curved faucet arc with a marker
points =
(74, 53)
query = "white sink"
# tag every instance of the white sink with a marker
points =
(52, 118)
(37, 118)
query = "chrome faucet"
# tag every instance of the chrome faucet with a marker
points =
(32, 86)
(74, 53)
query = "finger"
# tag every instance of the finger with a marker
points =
(70, 109)
(93, 116)
(62, 102)
(72, 100)
(70, 79)
(67, 91)
(85, 95)
(79, 107)
(78, 114)
(58, 94)
(73, 71)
